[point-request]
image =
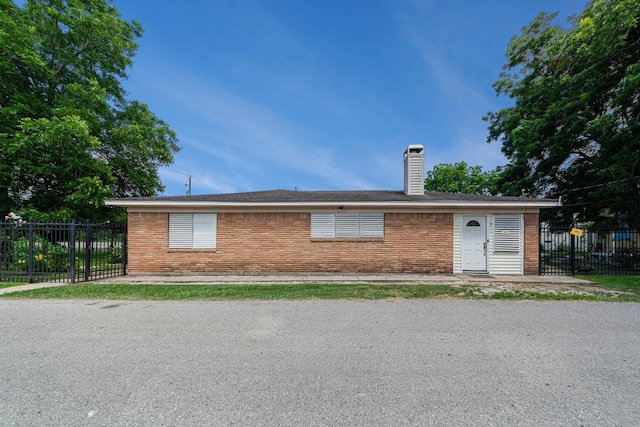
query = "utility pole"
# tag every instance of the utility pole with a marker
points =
(189, 186)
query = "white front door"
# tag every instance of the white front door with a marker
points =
(474, 243)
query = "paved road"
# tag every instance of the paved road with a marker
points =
(319, 363)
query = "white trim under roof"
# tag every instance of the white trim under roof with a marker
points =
(158, 205)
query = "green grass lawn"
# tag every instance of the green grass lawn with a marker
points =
(313, 291)
(11, 284)
(240, 292)
(617, 283)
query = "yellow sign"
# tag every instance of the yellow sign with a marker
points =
(577, 232)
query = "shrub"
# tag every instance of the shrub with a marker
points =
(46, 255)
(628, 257)
(115, 255)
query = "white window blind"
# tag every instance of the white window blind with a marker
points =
(507, 233)
(192, 231)
(204, 231)
(323, 225)
(180, 231)
(371, 225)
(347, 225)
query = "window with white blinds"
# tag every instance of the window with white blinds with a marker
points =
(507, 233)
(192, 231)
(347, 225)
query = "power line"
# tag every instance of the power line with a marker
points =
(587, 203)
(175, 171)
(190, 177)
(600, 185)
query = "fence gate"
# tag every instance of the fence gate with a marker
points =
(596, 251)
(61, 252)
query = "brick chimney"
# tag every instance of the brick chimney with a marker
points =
(414, 170)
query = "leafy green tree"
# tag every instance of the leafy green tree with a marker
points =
(69, 137)
(574, 128)
(461, 178)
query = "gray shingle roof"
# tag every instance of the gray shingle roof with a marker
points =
(288, 196)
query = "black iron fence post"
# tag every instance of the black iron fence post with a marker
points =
(572, 254)
(30, 265)
(72, 251)
(87, 251)
(540, 251)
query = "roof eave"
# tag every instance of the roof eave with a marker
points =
(539, 204)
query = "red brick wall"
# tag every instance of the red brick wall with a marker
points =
(281, 242)
(531, 243)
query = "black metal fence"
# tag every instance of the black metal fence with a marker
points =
(596, 251)
(61, 252)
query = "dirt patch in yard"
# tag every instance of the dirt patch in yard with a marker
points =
(489, 288)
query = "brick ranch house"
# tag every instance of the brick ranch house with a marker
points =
(335, 231)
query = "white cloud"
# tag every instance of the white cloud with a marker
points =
(449, 79)
(245, 137)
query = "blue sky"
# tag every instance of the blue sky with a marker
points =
(323, 95)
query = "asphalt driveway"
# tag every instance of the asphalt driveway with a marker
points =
(412, 362)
